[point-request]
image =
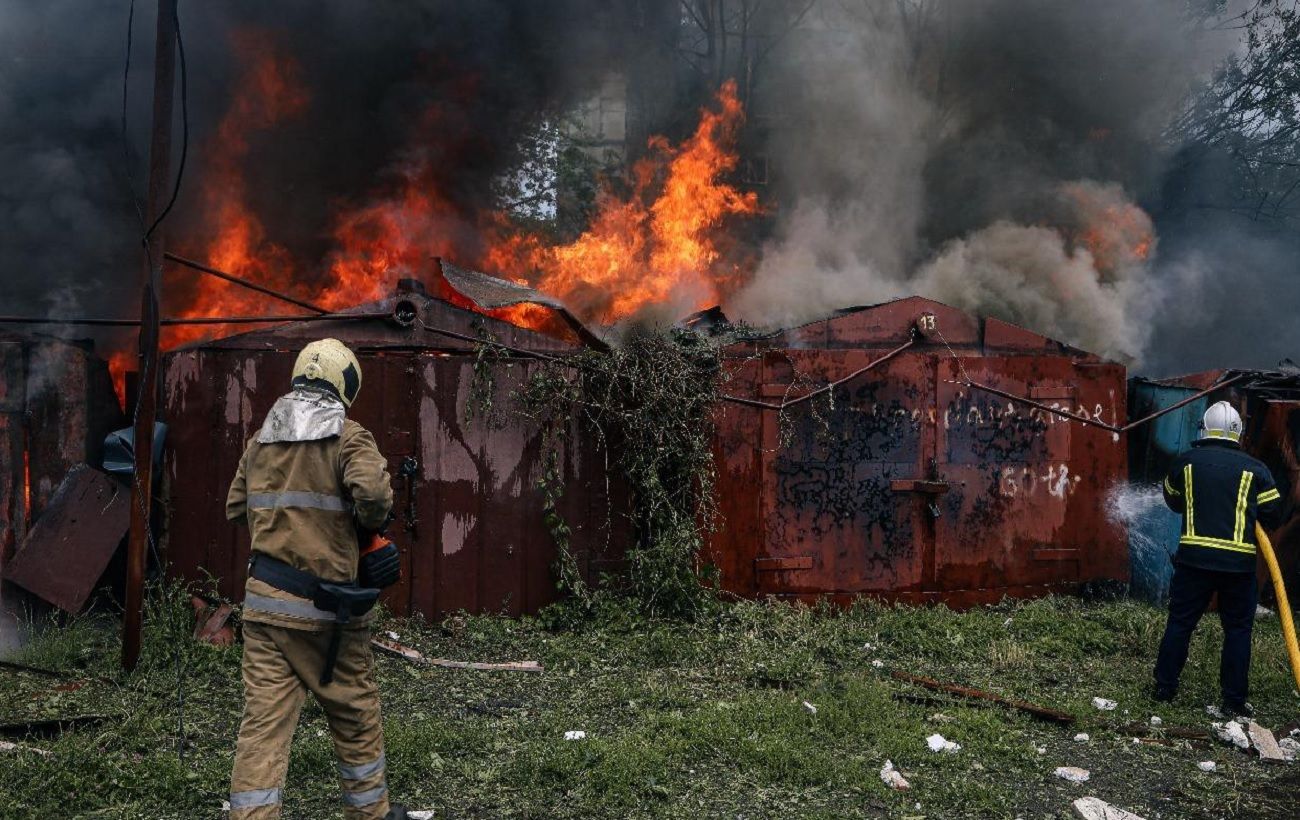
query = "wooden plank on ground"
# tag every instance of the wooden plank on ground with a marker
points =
(413, 655)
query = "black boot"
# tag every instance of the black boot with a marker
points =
(1163, 695)
(1240, 709)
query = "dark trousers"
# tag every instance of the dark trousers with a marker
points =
(1189, 597)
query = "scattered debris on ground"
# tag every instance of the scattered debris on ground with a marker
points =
(1050, 715)
(1074, 774)
(415, 656)
(1104, 704)
(893, 778)
(1231, 732)
(938, 743)
(1264, 742)
(1092, 808)
(6, 746)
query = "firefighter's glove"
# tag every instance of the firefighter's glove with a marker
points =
(381, 566)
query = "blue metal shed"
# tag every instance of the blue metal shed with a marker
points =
(1152, 527)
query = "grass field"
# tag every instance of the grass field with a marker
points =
(697, 720)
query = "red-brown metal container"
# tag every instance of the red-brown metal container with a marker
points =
(469, 523)
(912, 486)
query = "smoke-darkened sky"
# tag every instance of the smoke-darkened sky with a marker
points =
(946, 157)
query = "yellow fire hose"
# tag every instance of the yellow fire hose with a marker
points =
(1283, 606)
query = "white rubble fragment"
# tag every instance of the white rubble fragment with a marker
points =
(1082, 737)
(1042, 750)
(1290, 748)
(938, 743)
(427, 814)
(1207, 765)
(1073, 774)
(1214, 711)
(1104, 704)
(225, 806)
(878, 663)
(868, 646)
(1091, 808)
(893, 778)
(575, 735)
(812, 710)
(1262, 611)
(1155, 720)
(6, 746)
(392, 636)
(1231, 732)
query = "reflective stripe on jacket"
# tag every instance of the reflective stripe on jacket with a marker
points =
(1221, 493)
(302, 501)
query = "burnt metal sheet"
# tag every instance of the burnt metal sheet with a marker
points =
(56, 405)
(70, 545)
(907, 486)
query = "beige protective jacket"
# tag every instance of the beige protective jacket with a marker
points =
(304, 482)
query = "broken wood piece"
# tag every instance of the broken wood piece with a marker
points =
(1264, 742)
(210, 622)
(415, 656)
(6, 746)
(35, 670)
(1040, 712)
(1180, 732)
(1092, 808)
(48, 727)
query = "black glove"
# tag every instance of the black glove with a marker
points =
(381, 567)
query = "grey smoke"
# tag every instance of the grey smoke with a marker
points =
(929, 153)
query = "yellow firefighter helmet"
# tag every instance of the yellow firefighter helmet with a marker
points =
(329, 365)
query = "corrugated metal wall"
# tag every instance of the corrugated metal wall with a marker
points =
(469, 522)
(913, 486)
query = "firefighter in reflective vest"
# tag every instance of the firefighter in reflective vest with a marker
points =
(1221, 492)
(309, 480)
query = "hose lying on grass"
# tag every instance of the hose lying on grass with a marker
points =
(1283, 606)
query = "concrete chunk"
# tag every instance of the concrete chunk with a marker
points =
(1092, 808)
(1264, 742)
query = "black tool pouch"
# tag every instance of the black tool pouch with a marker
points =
(344, 601)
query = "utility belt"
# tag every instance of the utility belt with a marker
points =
(344, 600)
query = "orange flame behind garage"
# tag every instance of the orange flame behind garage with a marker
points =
(663, 244)
(268, 92)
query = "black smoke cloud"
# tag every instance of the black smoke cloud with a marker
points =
(490, 69)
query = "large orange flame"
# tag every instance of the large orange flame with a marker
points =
(661, 245)
(664, 243)
(268, 92)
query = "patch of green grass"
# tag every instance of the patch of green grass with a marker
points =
(690, 720)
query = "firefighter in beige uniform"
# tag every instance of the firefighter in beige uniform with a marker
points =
(308, 480)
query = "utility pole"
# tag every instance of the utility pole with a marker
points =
(147, 399)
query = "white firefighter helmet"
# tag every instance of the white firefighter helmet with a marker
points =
(328, 364)
(1221, 421)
